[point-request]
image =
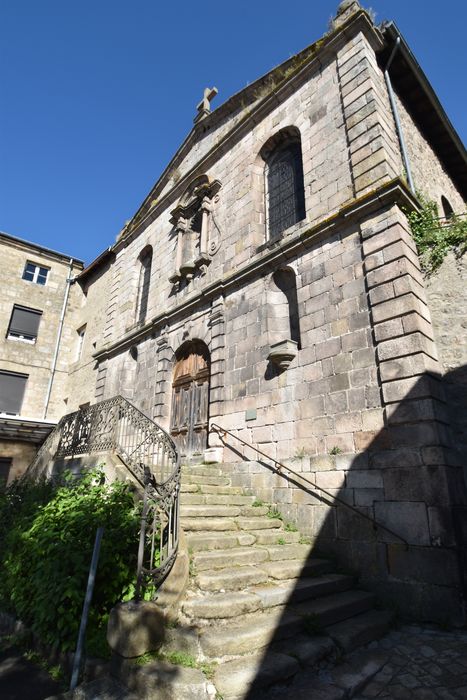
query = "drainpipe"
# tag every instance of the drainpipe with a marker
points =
(395, 112)
(53, 368)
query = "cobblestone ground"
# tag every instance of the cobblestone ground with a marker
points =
(423, 664)
(410, 663)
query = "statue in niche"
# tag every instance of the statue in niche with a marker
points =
(198, 235)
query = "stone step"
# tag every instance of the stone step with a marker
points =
(222, 605)
(263, 597)
(335, 608)
(306, 649)
(230, 579)
(304, 589)
(259, 523)
(209, 524)
(273, 536)
(205, 480)
(203, 541)
(360, 629)
(244, 677)
(283, 570)
(188, 488)
(204, 511)
(254, 511)
(201, 470)
(232, 640)
(221, 490)
(165, 681)
(288, 551)
(215, 499)
(225, 558)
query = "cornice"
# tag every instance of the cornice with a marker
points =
(268, 256)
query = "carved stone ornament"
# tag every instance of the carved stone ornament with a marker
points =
(282, 353)
(198, 234)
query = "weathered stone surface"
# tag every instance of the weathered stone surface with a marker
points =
(220, 559)
(222, 605)
(294, 569)
(165, 681)
(231, 579)
(235, 678)
(242, 639)
(336, 607)
(135, 628)
(360, 629)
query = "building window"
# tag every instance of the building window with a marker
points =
(12, 386)
(283, 181)
(24, 324)
(5, 466)
(145, 264)
(35, 273)
(79, 348)
(284, 189)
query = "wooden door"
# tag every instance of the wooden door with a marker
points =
(190, 401)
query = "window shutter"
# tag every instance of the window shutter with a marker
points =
(25, 321)
(11, 392)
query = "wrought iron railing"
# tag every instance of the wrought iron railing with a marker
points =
(303, 481)
(149, 454)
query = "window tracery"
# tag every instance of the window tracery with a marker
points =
(283, 179)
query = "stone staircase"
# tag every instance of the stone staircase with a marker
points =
(259, 605)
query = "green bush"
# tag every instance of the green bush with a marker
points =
(46, 548)
(435, 238)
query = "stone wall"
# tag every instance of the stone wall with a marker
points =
(447, 298)
(429, 174)
(21, 454)
(365, 381)
(89, 302)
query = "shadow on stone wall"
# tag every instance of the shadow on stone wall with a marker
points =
(409, 479)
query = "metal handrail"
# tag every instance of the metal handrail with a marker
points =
(279, 467)
(149, 454)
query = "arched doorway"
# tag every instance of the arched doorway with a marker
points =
(190, 400)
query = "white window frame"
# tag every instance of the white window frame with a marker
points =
(37, 269)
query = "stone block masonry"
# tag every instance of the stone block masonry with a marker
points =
(354, 398)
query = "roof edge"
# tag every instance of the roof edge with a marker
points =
(41, 248)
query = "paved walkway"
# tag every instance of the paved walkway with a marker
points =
(423, 664)
(410, 663)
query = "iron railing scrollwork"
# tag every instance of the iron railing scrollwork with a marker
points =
(149, 454)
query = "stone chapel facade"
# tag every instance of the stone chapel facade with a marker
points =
(269, 283)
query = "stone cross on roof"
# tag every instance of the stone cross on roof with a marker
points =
(204, 107)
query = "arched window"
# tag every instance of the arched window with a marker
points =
(448, 211)
(285, 197)
(145, 261)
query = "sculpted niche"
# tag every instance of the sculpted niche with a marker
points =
(198, 235)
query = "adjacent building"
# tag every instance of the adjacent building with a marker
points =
(36, 341)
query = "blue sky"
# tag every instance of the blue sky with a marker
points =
(98, 95)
